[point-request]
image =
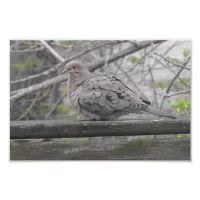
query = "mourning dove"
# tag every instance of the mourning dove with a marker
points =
(104, 97)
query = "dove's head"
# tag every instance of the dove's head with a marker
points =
(76, 70)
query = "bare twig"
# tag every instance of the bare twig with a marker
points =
(52, 51)
(141, 59)
(154, 90)
(166, 52)
(135, 85)
(34, 48)
(170, 61)
(177, 93)
(165, 66)
(172, 82)
(54, 107)
(28, 109)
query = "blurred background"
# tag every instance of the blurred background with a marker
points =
(154, 72)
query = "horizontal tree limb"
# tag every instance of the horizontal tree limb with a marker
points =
(64, 129)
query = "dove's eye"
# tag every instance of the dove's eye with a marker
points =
(73, 67)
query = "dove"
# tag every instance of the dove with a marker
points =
(99, 96)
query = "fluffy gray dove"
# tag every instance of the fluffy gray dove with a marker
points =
(104, 97)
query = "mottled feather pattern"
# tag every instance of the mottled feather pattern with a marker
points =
(104, 97)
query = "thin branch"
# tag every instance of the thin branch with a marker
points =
(177, 93)
(33, 49)
(52, 51)
(55, 106)
(26, 91)
(135, 85)
(131, 69)
(44, 73)
(172, 82)
(170, 61)
(165, 66)
(28, 109)
(153, 80)
(166, 52)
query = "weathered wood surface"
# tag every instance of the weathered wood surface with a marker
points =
(166, 147)
(63, 129)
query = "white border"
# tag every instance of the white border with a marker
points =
(99, 20)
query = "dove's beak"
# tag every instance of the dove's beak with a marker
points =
(64, 71)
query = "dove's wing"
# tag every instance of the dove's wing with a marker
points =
(144, 100)
(103, 95)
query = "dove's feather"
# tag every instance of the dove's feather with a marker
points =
(103, 97)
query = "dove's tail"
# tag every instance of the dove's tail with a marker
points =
(160, 113)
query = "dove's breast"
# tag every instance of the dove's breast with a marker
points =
(73, 96)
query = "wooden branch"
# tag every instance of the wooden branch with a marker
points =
(52, 51)
(118, 55)
(22, 92)
(34, 88)
(64, 129)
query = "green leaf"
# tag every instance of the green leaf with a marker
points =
(180, 136)
(141, 54)
(162, 85)
(62, 91)
(173, 103)
(18, 66)
(180, 105)
(34, 62)
(178, 110)
(182, 81)
(42, 109)
(84, 139)
(158, 84)
(68, 139)
(154, 85)
(173, 59)
(186, 53)
(188, 114)
(66, 42)
(133, 59)
(62, 109)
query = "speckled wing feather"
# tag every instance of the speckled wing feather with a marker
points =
(104, 95)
